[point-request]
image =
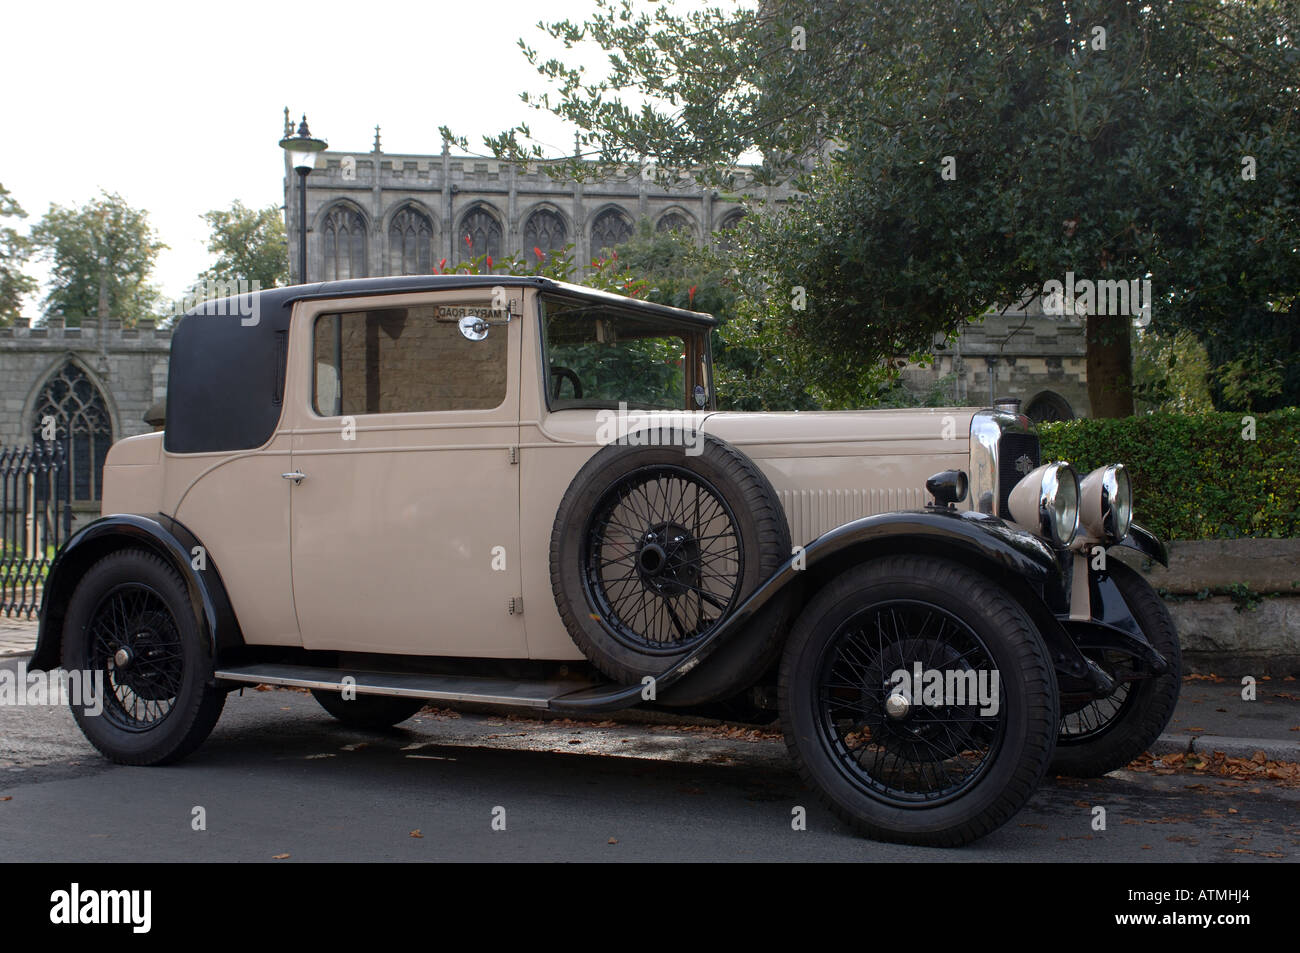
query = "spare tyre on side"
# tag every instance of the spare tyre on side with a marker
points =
(654, 547)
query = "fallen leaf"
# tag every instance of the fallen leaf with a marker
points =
(280, 857)
(1232, 810)
(612, 840)
(416, 833)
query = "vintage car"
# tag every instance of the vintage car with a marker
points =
(514, 491)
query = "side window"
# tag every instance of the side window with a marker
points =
(403, 360)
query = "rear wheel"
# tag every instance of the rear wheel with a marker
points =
(918, 700)
(368, 711)
(132, 630)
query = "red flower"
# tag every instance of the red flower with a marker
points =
(539, 253)
(489, 262)
(690, 301)
(613, 256)
(442, 265)
(469, 242)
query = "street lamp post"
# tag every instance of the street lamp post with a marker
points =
(302, 150)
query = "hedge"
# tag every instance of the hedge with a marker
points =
(1196, 476)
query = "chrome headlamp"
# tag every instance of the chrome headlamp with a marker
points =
(1047, 502)
(1106, 503)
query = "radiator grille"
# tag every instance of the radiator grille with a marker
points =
(1013, 448)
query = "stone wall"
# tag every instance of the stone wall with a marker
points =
(127, 366)
(1041, 359)
(1229, 636)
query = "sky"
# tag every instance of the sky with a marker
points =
(179, 107)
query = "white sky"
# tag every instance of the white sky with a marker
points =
(179, 107)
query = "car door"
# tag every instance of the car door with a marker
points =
(405, 503)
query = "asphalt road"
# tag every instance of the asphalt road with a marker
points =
(280, 779)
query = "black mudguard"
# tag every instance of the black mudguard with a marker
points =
(158, 534)
(1147, 543)
(1113, 627)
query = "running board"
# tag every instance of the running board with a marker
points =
(561, 695)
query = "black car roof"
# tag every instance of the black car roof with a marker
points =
(408, 283)
(228, 355)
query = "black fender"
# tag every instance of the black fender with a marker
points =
(1147, 543)
(1027, 566)
(158, 534)
(1113, 627)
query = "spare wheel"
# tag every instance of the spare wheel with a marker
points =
(654, 547)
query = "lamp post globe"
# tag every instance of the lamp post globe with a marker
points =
(303, 150)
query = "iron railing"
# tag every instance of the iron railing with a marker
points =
(35, 519)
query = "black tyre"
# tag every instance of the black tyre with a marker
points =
(654, 547)
(131, 624)
(893, 760)
(1108, 733)
(368, 711)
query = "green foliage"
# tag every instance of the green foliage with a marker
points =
(1195, 476)
(15, 249)
(1165, 148)
(250, 245)
(1171, 373)
(104, 241)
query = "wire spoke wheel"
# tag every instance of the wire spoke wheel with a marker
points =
(661, 559)
(1095, 717)
(135, 643)
(908, 703)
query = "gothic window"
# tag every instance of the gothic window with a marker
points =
(1048, 407)
(545, 230)
(675, 222)
(81, 419)
(729, 222)
(610, 229)
(479, 233)
(344, 245)
(410, 243)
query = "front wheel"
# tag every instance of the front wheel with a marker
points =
(917, 698)
(132, 637)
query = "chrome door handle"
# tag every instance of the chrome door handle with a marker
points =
(297, 476)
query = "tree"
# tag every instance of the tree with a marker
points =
(15, 249)
(250, 245)
(956, 153)
(102, 255)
